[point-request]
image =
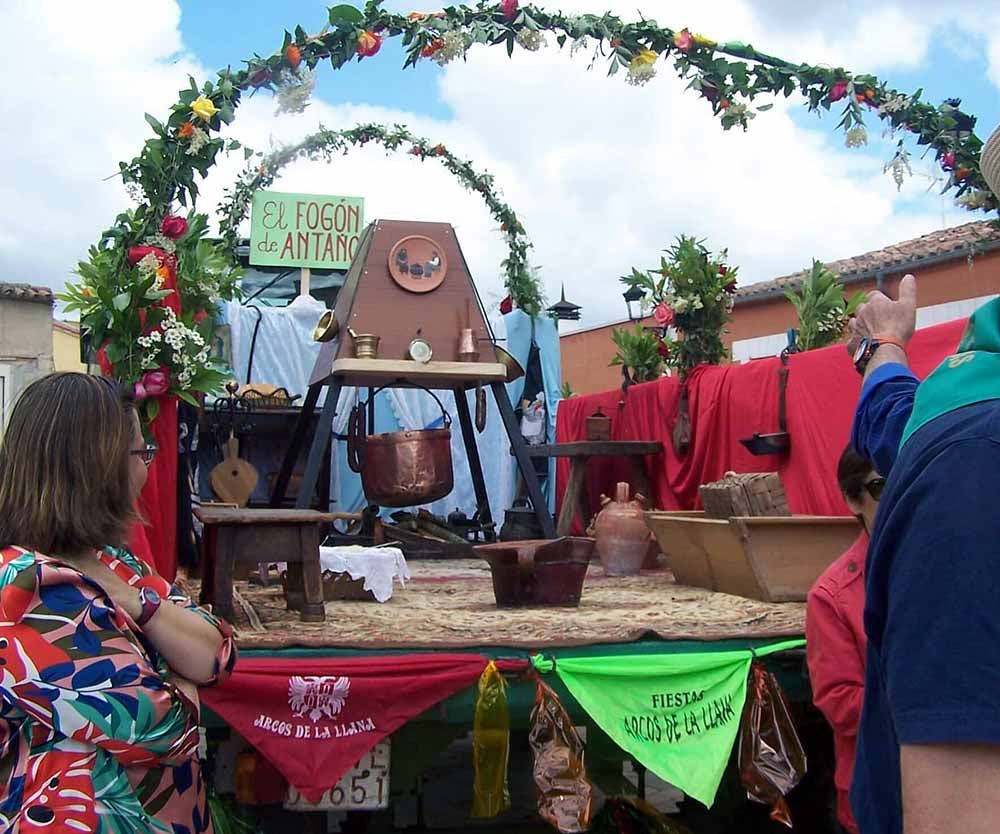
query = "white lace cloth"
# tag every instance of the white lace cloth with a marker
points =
(378, 566)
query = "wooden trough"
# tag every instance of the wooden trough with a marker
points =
(769, 558)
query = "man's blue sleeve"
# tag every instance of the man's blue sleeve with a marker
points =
(882, 414)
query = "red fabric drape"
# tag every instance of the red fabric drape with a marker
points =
(733, 402)
(156, 540)
(314, 727)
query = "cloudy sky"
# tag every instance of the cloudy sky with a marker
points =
(604, 175)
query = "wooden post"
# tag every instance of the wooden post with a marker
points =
(305, 274)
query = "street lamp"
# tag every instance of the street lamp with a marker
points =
(633, 300)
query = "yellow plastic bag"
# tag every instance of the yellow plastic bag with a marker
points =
(491, 745)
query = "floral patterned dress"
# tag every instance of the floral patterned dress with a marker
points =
(92, 736)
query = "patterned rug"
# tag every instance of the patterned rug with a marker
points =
(450, 605)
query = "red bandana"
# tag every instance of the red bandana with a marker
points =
(313, 727)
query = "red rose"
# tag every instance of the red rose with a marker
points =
(731, 287)
(663, 349)
(200, 316)
(723, 270)
(509, 8)
(152, 384)
(261, 77)
(174, 227)
(107, 369)
(431, 48)
(137, 253)
(507, 305)
(142, 319)
(664, 315)
(948, 161)
(838, 90)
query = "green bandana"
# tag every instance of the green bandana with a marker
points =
(971, 375)
(677, 714)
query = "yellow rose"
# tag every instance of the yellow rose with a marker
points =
(701, 40)
(644, 57)
(204, 109)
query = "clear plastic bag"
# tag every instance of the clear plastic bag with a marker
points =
(771, 758)
(491, 745)
(565, 794)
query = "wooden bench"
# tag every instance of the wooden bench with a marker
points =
(258, 536)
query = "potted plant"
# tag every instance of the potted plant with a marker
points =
(822, 308)
(638, 353)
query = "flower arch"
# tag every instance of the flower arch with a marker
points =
(323, 144)
(116, 284)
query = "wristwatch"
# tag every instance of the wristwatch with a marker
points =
(150, 601)
(866, 350)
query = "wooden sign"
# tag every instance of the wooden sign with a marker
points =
(317, 231)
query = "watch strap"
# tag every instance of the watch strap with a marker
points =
(150, 601)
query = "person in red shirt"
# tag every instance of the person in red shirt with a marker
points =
(835, 631)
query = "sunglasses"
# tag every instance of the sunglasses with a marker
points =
(148, 452)
(875, 488)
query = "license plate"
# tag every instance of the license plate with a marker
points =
(365, 787)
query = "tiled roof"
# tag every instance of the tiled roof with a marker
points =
(960, 239)
(26, 292)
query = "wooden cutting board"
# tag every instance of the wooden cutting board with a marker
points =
(234, 480)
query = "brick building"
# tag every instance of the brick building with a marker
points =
(957, 269)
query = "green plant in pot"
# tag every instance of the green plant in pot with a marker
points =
(639, 352)
(822, 308)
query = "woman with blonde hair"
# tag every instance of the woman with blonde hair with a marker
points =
(100, 658)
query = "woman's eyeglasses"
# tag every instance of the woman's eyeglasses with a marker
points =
(148, 452)
(875, 487)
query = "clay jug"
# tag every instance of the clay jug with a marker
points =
(623, 539)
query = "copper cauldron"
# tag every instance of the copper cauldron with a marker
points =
(401, 468)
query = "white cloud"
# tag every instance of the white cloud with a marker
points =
(603, 174)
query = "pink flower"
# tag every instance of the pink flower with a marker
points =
(664, 315)
(683, 40)
(153, 384)
(838, 90)
(948, 161)
(509, 8)
(174, 227)
(200, 316)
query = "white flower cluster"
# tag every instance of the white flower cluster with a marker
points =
(856, 137)
(531, 39)
(294, 90)
(148, 265)
(894, 104)
(163, 242)
(974, 200)
(189, 350)
(197, 141)
(151, 344)
(454, 46)
(640, 73)
(900, 167)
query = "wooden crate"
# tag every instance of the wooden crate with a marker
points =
(745, 494)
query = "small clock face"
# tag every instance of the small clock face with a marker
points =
(418, 264)
(420, 350)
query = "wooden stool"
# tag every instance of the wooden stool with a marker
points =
(291, 536)
(575, 497)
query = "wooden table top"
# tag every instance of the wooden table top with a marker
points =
(596, 448)
(242, 515)
(400, 372)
